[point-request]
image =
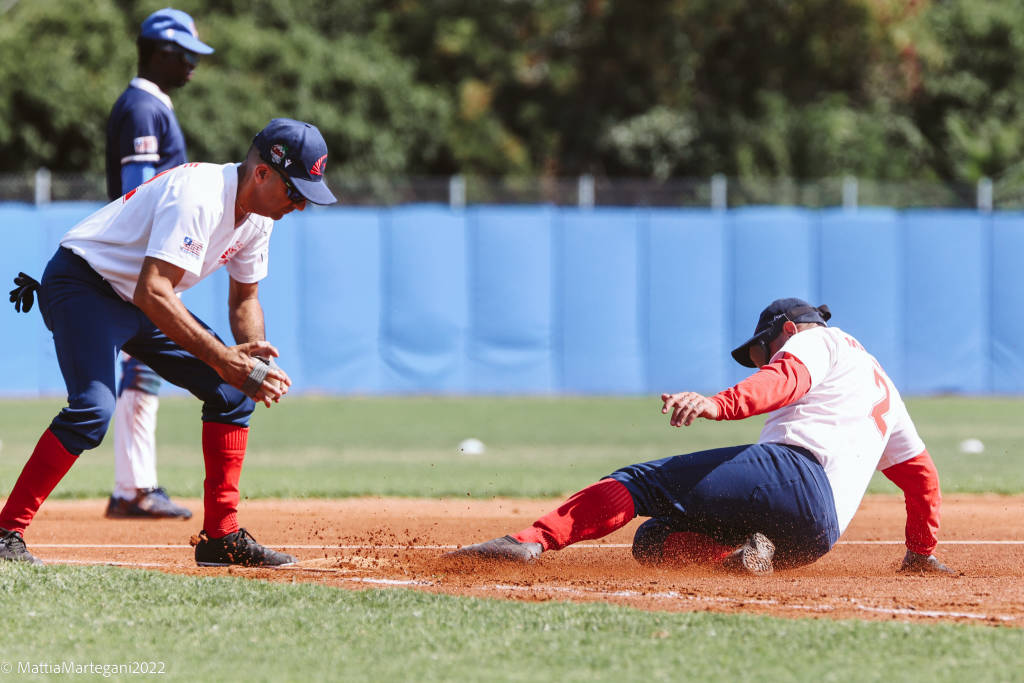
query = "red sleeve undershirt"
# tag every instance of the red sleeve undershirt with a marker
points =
(775, 385)
(919, 481)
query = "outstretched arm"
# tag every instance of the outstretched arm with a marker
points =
(773, 386)
(919, 481)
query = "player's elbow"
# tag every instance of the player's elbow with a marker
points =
(146, 296)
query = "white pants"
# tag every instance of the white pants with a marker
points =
(134, 442)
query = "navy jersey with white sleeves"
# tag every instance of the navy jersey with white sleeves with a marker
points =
(142, 128)
(184, 216)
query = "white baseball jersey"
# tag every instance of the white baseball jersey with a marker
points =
(184, 216)
(852, 418)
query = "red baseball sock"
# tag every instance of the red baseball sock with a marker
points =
(49, 462)
(223, 452)
(594, 512)
(683, 547)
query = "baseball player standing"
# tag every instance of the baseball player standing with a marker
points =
(834, 417)
(143, 139)
(113, 284)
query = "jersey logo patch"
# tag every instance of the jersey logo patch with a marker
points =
(191, 247)
(147, 144)
(318, 167)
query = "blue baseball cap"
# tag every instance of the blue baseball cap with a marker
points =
(174, 26)
(297, 149)
(769, 324)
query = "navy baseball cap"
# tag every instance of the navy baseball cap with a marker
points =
(769, 324)
(174, 26)
(298, 149)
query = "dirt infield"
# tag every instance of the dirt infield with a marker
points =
(377, 543)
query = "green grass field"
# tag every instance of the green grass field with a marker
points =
(331, 447)
(236, 629)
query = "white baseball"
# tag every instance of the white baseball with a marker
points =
(472, 446)
(972, 446)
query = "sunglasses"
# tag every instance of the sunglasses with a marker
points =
(184, 55)
(293, 192)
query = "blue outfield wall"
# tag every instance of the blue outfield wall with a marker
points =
(544, 300)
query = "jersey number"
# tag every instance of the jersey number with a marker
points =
(879, 410)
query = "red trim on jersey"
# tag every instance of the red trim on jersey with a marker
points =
(919, 481)
(775, 385)
(594, 512)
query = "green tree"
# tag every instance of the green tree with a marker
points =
(56, 83)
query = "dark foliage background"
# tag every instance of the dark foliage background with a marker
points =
(882, 89)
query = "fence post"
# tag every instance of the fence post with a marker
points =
(850, 191)
(457, 192)
(985, 195)
(585, 191)
(719, 192)
(43, 186)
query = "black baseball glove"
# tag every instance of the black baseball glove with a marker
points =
(915, 563)
(23, 294)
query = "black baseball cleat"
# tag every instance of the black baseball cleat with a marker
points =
(12, 548)
(153, 503)
(649, 541)
(753, 557)
(506, 549)
(238, 548)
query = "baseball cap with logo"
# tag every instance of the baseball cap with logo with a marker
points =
(298, 149)
(769, 324)
(174, 26)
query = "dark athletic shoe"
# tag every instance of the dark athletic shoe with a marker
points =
(753, 557)
(506, 549)
(237, 548)
(12, 548)
(153, 503)
(649, 541)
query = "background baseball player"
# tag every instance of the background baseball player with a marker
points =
(143, 139)
(113, 284)
(835, 417)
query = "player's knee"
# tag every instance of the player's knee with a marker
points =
(82, 425)
(228, 405)
(649, 541)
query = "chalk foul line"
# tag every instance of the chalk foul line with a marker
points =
(393, 546)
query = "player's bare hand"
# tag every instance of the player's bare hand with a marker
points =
(246, 368)
(916, 563)
(687, 406)
(274, 387)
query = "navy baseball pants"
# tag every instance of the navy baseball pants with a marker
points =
(730, 493)
(90, 325)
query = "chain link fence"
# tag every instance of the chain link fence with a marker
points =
(587, 191)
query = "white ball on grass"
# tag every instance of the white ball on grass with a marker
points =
(972, 446)
(472, 447)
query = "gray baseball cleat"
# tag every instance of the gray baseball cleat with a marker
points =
(506, 549)
(753, 557)
(12, 548)
(153, 503)
(915, 563)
